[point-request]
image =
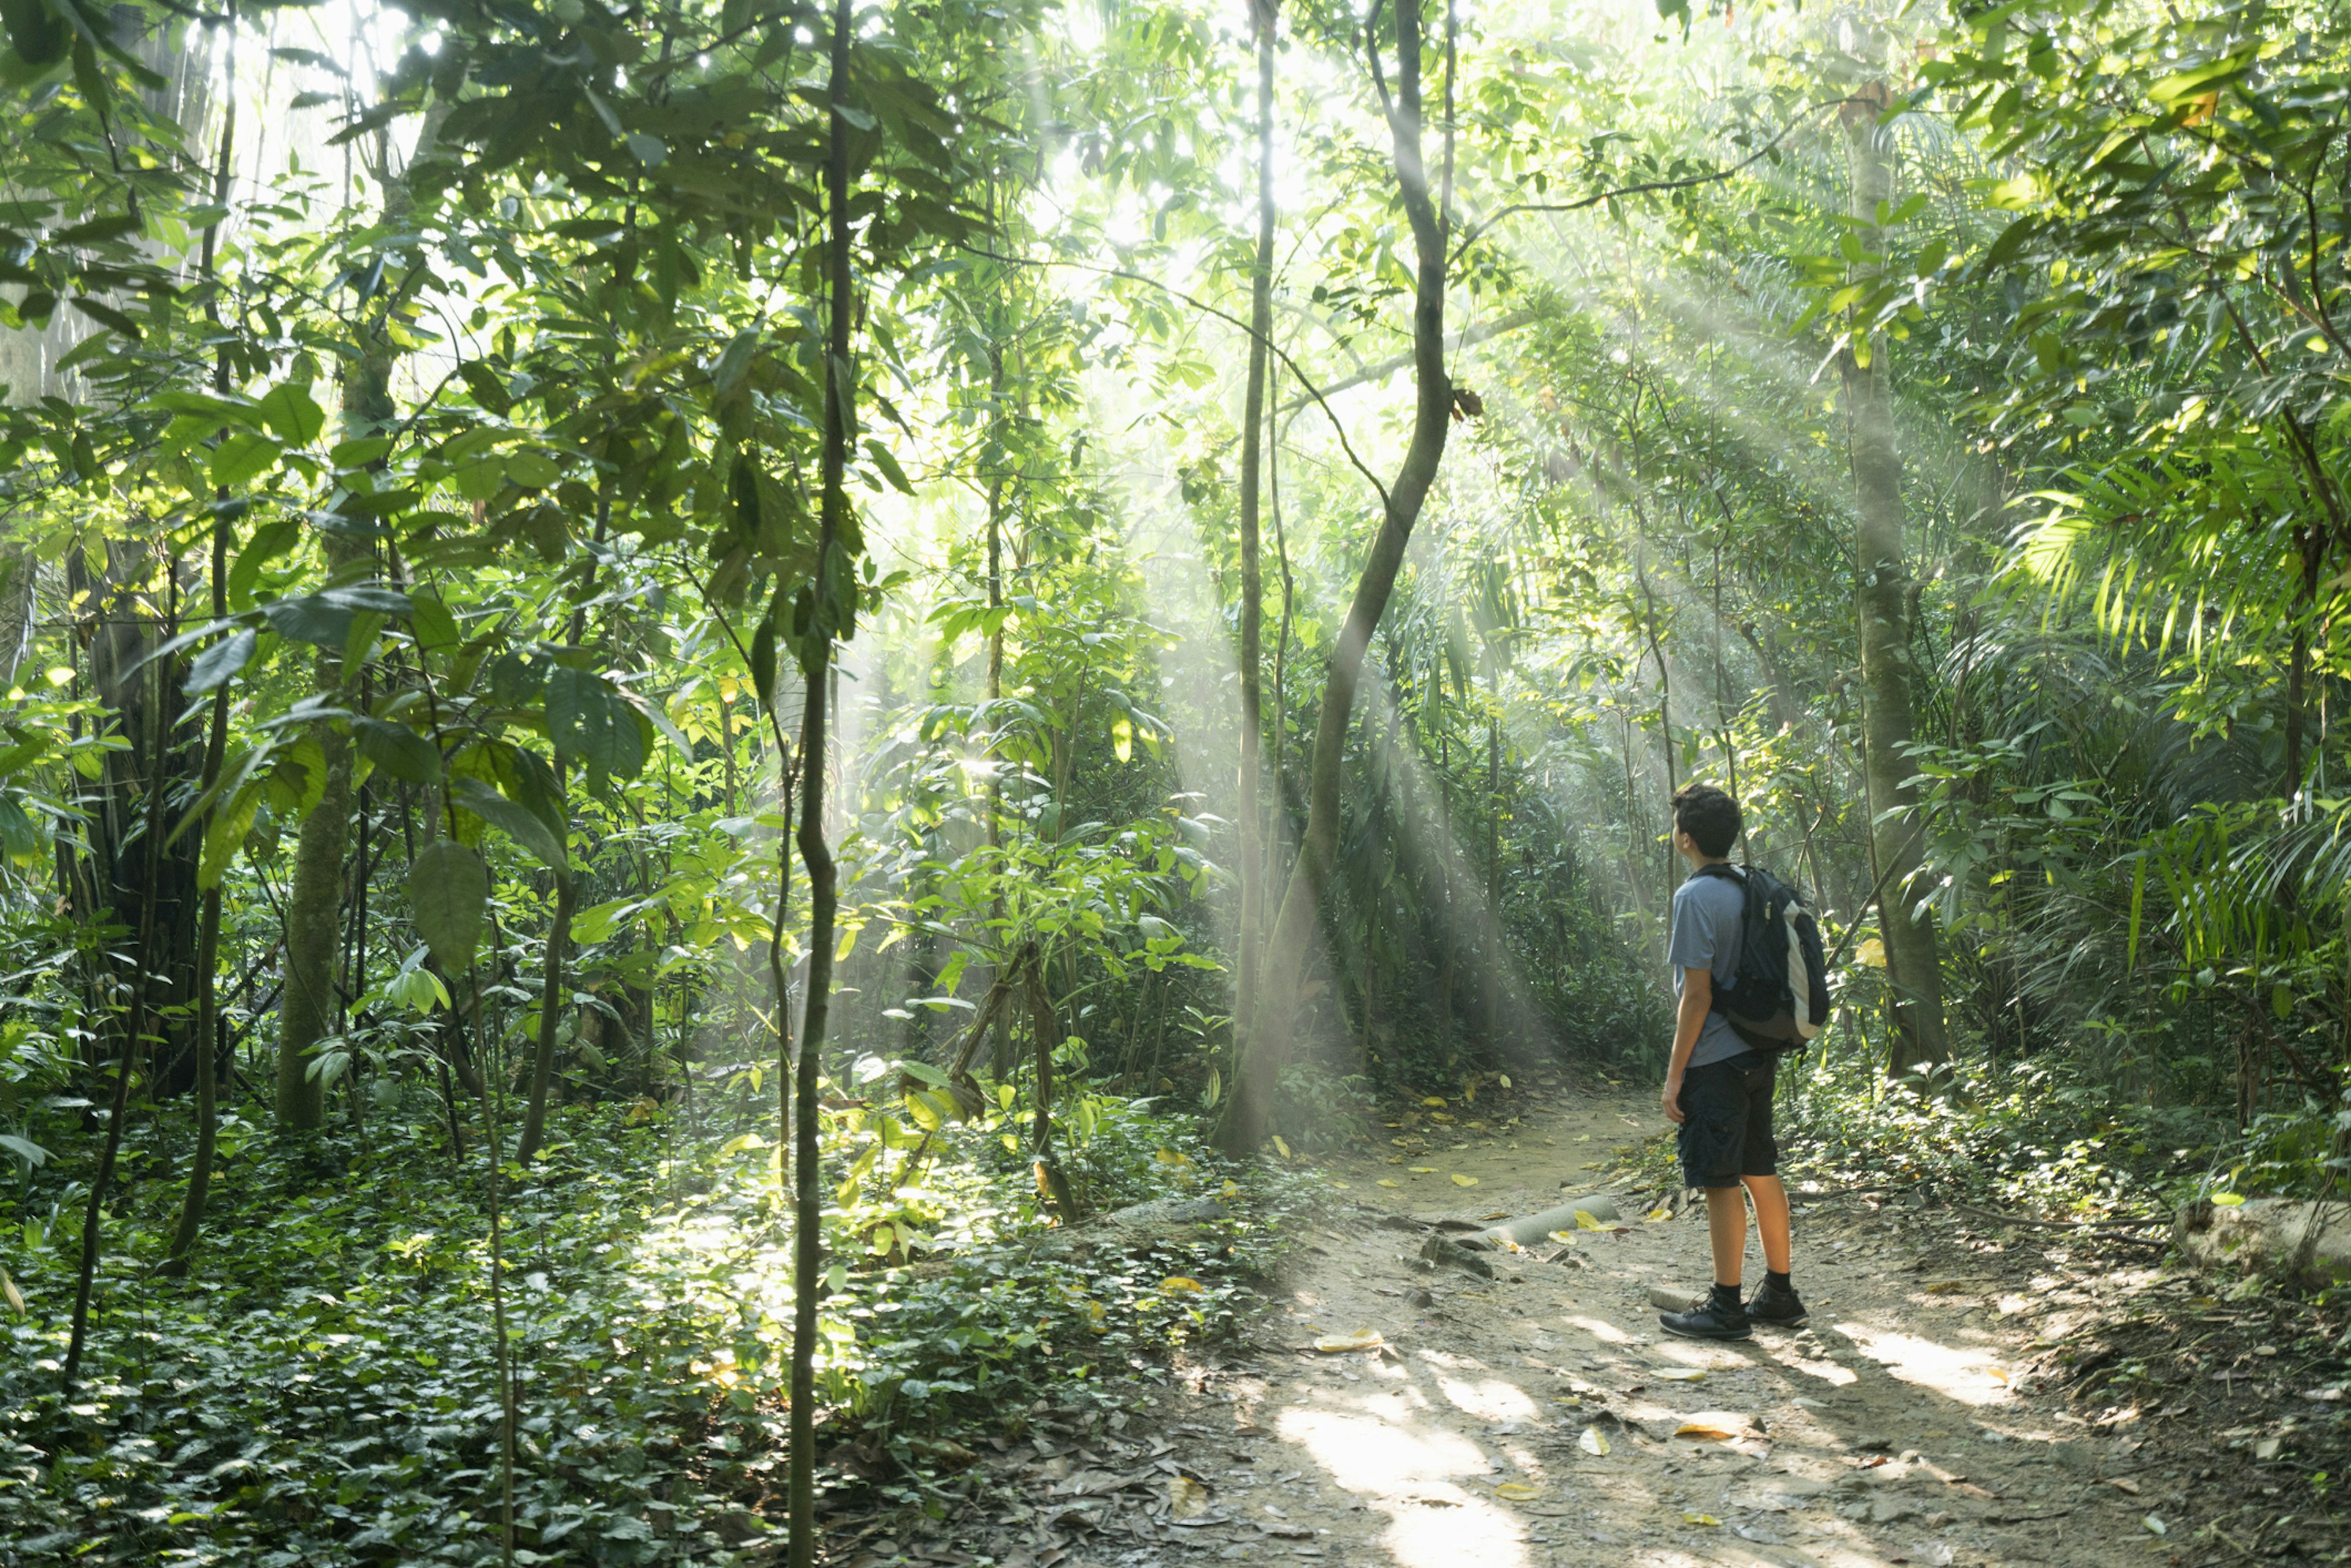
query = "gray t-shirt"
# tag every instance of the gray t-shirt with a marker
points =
(1707, 913)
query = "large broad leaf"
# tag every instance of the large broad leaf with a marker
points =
(589, 724)
(289, 411)
(218, 664)
(397, 749)
(447, 888)
(518, 822)
(310, 617)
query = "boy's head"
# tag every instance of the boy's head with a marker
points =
(1708, 817)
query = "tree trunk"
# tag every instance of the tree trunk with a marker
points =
(1252, 605)
(307, 1007)
(835, 530)
(1247, 1112)
(550, 1008)
(1912, 960)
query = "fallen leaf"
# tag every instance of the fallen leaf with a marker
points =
(1186, 1498)
(1280, 1147)
(1171, 1157)
(1659, 1214)
(1498, 1214)
(1705, 1431)
(2267, 1449)
(1503, 1079)
(1361, 1339)
(2156, 1526)
(2124, 1483)
(1517, 1492)
(1591, 1442)
(1460, 1180)
(1690, 1518)
(1679, 1374)
(1180, 1282)
(16, 1297)
(1434, 1102)
(1584, 1221)
(1422, 1170)
(1564, 1237)
(1946, 1287)
(1440, 1116)
(1390, 1181)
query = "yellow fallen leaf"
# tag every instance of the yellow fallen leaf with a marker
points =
(1280, 1147)
(1361, 1339)
(1171, 1157)
(1503, 1079)
(1498, 1214)
(1591, 1442)
(1186, 1498)
(1565, 1238)
(1434, 1102)
(1679, 1374)
(1181, 1284)
(1704, 1431)
(1422, 1170)
(1460, 1180)
(1584, 1221)
(1390, 1181)
(1659, 1214)
(1440, 1116)
(1690, 1518)
(1517, 1492)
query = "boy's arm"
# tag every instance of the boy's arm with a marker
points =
(1697, 995)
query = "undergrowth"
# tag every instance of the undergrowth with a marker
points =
(324, 1391)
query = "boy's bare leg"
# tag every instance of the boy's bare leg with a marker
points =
(1771, 1224)
(1726, 1228)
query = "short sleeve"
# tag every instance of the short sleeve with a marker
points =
(1691, 946)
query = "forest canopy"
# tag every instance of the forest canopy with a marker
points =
(673, 670)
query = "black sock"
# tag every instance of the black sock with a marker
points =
(1724, 1296)
(1778, 1280)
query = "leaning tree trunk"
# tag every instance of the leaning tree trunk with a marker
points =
(1912, 961)
(1280, 980)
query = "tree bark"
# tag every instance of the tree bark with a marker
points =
(1252, 605)
(1912, 958)
(816, 660)
(550, 1007)
(1247, 1112)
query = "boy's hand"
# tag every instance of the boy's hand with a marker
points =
(1673, 1101)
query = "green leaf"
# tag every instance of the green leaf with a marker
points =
(888, 463)
(218, 664)
(397, 749)
(518, 822)
(436, 629)
(289, 411)
(241, 459)
(448, 888)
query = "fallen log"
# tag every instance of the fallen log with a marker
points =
(1528, 1230)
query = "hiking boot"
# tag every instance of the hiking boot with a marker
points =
(1777, 1306)
(1719, 1316)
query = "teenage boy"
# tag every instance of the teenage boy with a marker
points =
(1718, 1087)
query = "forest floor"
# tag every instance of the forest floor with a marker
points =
(1926, 1415)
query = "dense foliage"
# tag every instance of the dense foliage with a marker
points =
(994, 594)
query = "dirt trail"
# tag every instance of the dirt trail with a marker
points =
(1532, 1418)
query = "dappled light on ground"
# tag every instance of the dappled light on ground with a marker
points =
(1384, 1450)
(1970, 1375)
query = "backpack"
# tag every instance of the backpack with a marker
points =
(1781, 999)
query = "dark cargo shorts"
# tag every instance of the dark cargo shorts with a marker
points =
(1726, 1131)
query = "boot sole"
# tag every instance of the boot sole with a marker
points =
(1748, 1332)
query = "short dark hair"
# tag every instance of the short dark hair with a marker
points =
(1710, 816)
